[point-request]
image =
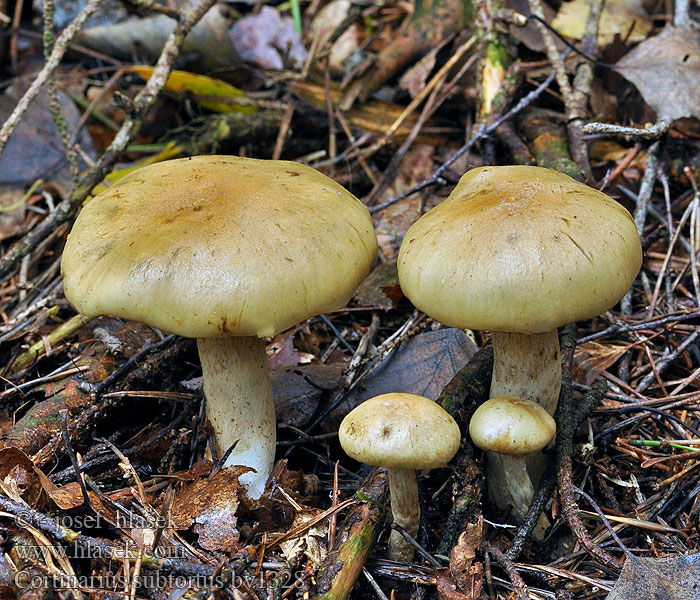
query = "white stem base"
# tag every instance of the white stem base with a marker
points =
(240, 405)
(405, 511)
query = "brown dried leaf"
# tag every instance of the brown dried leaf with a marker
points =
(674, 578)
(17, 470)
(298, 391)
(201, 468)
(447, 589)
(65, 497)
(666, 71)
(310, 543)
(328, 19)
(291, 481)
(343, 48)
(413, 80)
(324, 25)
(592, 358)
(282, 353)
(273, 511)
(12, 457)
(210, 505)
(618, 17)
(464, 571)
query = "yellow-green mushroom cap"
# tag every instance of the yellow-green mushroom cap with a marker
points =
(519, 249)
(215, 246)
(400, 431)
(510, 425)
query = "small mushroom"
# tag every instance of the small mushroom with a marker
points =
(227, 250)
(520, 251)
(510, 428)
(402, 432)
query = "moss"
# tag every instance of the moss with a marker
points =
(496, 54)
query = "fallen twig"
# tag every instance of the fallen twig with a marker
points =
(436, 177)
(565, 435)
(520, 590)
(59, 49)
(354, 539)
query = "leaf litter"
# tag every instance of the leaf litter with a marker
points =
(665, 68)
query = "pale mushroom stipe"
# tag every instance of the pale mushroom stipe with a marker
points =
(520, 251)
(227, 250)
(402, 432)
(511, 428)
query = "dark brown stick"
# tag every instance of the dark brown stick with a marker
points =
(565, 436)
(520, 590)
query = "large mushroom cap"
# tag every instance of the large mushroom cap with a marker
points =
(510, 425)
(400, 431)
(519, 249)
(219, 245)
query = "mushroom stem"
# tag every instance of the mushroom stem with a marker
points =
(405, 511)
(527, 366)
(510, 484)
(240, 406)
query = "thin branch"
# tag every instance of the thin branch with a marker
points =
(605, 521)
(130, 127)
(564, 445)
(59, 49)
(618, 327)
(666, 362)
(650, 133)
(436, 177)
(145, 98)
(520, 591)
(583, 79)
(552, 51)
